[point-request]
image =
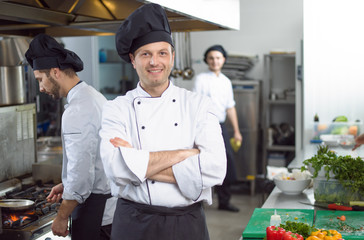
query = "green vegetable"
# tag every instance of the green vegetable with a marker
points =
(341, 119)
(348, 171)
(297, 227)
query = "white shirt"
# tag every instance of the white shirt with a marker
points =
(82, 169)
(218, 88)
(179, 119)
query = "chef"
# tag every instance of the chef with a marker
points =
(85, 188)
(217, 86)
(161, 145)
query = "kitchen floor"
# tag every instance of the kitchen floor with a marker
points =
(223, 225)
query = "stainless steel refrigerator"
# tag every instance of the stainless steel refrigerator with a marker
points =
(247, 95)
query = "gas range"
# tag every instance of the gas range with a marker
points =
(31, 223)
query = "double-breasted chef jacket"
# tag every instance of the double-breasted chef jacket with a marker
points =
(179, 119)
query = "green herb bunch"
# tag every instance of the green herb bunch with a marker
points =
(348, 171)
(298, 227)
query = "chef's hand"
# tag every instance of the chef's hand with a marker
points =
(238, 137)
(118, 142)
(55, 194)
(359, 140)
(60, 226)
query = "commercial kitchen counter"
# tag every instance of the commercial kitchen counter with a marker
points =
(277, 199)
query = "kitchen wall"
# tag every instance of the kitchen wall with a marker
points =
(265, 25)
(334, 50)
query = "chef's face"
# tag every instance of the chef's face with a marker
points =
(153, 63)
(47, 84)
(215, 60)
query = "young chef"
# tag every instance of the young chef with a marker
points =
(85, 188)
(217, 86)
(161, 145)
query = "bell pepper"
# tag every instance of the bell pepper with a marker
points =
(325, 235)
(292, 236)
(332, 235)
(313, 238)
(274, 233)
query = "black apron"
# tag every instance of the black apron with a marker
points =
(135, 221)
(87, 218)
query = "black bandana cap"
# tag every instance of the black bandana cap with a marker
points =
(45, 53)
(215, 48)
(147, 24)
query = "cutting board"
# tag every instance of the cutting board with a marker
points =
(259, 221)
(328, 220)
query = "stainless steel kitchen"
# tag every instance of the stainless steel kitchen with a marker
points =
(295, 71)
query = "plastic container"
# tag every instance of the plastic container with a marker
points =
(275, 220)
(336, 128)
(332, 191)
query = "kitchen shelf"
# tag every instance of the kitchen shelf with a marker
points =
(286, 148)
(282, 101)
(279, 111)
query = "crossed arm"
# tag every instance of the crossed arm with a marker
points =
(160, 163)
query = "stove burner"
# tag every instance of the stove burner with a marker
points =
(17, 220)
(33, 193)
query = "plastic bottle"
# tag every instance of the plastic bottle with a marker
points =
(275, 220)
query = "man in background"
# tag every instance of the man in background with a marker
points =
(218, 87)
(85, 189)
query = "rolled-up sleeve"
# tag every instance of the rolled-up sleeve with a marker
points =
(209, 167)
(80, 144)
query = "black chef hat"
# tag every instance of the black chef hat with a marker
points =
(45, 53)
(215, 48)
(147, 24)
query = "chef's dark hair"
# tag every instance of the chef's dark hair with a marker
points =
(215, 48)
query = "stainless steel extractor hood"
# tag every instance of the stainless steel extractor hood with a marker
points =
(87, 17)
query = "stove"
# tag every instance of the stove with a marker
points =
(32, 223)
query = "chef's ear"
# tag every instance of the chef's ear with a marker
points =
(132, 59)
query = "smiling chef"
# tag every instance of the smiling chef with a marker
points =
(161, 145)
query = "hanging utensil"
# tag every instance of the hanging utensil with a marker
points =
(188, 72)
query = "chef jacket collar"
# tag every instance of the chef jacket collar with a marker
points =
(73, 91)
(142, 93)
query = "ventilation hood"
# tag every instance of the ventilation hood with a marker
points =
(61, 18)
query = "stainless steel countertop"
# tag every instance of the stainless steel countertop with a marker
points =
(277, 199)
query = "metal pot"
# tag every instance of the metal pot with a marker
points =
(12, 85)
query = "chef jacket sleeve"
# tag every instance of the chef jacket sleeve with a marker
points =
(207, 169)
(122, 165)
(230, 96)
(80, 136)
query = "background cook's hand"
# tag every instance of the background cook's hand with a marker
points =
(60, 226)
(118, 142)
(238, 137)
(359, 140)
(56, 193)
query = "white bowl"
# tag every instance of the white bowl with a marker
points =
(291, 187)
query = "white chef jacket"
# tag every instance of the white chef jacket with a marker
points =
(179, 119)
(218, 88)
(82, 170)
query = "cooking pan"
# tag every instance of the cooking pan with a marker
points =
(16, 204)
